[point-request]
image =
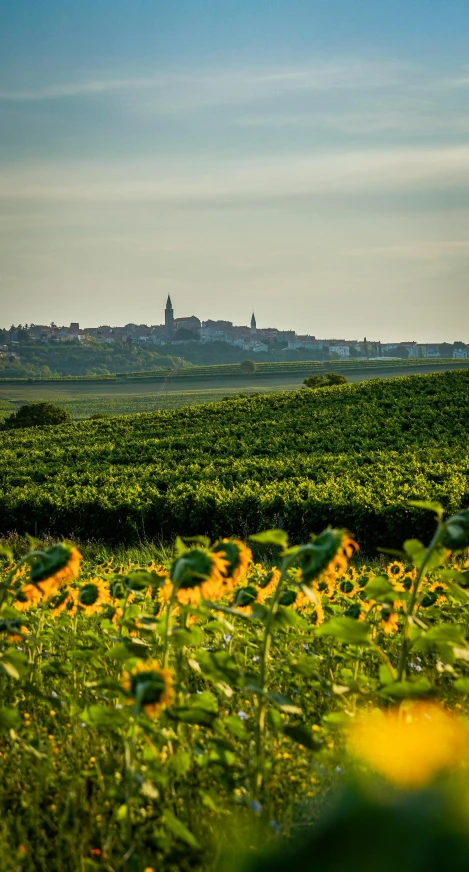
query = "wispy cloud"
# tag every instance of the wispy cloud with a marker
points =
(224, 85)
(281, 176)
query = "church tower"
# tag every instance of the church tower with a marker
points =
(169, 316)
(253, 325)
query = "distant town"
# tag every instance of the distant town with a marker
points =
(177, 331)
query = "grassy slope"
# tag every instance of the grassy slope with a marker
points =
(352, 455)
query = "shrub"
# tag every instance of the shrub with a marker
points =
(36, 415)
(247, 367)
(325, 381)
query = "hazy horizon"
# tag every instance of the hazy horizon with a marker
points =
(304, 160)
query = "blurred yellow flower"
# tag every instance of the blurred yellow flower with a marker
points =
(149, 685)
(408, 746)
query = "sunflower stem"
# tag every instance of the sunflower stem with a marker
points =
(263, 673)
(413, 599)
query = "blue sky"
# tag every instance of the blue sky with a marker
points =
(309, 160)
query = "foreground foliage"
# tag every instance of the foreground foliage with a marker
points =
(351, 456)
(172, 715)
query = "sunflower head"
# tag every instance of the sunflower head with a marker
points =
(92, 596)
(149, 686)
(237, 555)
(389, 620)
(330, 551)
(410, 745)
(59, 562)
(396, 569)
(65, 601)
(199, 568)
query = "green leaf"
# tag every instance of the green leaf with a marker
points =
(105, 717)
(125, 650)
(286, 617)
(302, 735)
(456, 532)
(457, 592)
(200, 708)
(10, 719)
(429, 506)
(179, 830)
(385, 674)
(186, 637)
(305, 666)
(452, 633)
(407, 689)
(415, 550)
(346, 630)
(417, 553)
(379, 589)
(271, 537)
(235, 726)
(180, 762)
(284, 703)
(461, 685)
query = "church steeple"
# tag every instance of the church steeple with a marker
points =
(253, 324)
(169, 316)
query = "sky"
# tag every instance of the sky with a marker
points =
(305, 159)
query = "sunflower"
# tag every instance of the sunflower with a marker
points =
(200, 574)
(92, 596)
(410, 745)
(396, 569)
(346, 587)
(66, 601)
(239, 558)
(54, 567)
(344, 553)
(319, 614)
(268, 585)
(390, 621)
(18, 635)
(27, 596)
(148, 685)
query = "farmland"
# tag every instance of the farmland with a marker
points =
(191, 704)
(144, 392)
(351, 456)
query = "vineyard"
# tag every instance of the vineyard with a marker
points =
(351, 456)
(263, 370)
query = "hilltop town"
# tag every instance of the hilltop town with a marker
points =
(176, 332)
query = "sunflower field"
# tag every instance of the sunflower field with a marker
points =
(237, 705)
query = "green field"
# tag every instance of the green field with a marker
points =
(352, 455)
(110, 396)
(214, 705)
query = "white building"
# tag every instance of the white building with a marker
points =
(341, 350)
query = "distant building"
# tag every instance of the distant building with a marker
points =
(253, 325)
(169, 317)
(188, 323)
(341, 350)
(460, 354)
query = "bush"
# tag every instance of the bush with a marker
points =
(247, 367)
(325, 381)
(36, 415)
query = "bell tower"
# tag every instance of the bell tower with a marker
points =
(253, 325)
(169, 316)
